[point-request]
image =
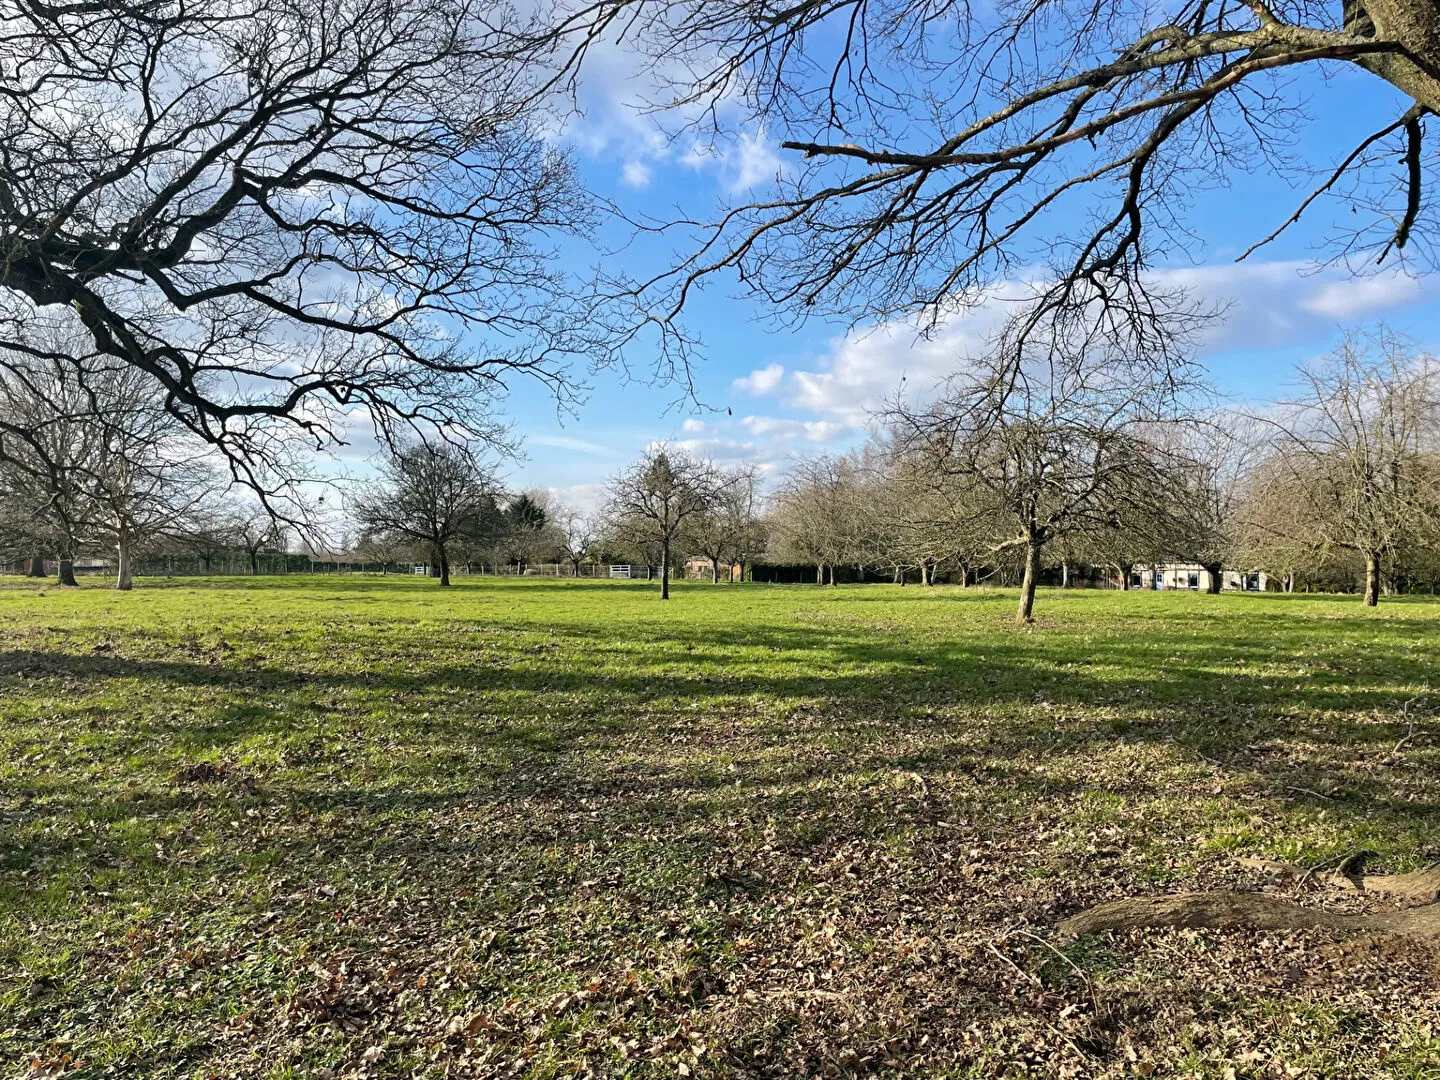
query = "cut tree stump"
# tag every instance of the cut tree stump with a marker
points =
(1263, 912)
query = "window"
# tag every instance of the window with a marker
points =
(1194, 582)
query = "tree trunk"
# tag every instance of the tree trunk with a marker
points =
(124, 580)
(665, 571)
(1420, 889)
(714, 571)
(1125, 570)
(1372, 578)
(37, 567)
(67, 571)
(1257, 911)
(1217, 577)
(444, 558)
(1026, 611)
(1064, 573)
(899, 576)
(1415, 28)
(832, 575)
(964, 576)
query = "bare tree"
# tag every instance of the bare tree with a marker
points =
(431, 494)
(578, 532)
(205, 532)
(1359, 453)
(285, 213)
(813, 515)
(1050, 451)
(1208, 486)
(380, 546)
(1141, 537)
(1273, 532)
(91, 440)
(527, 531)
(254, 530)
(49, 433)
(725, 532)
(919, 516)
(656, 499)
(148, 474)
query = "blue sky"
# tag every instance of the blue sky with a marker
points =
(792, 391)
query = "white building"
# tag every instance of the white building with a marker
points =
(1192, 577)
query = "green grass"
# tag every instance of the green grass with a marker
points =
(357, 826)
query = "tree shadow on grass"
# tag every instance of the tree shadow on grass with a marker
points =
(1196, 687)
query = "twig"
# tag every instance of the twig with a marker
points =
(1027, 976)
(1339, 862)
(1410, 732)
(1263, 779)
(1084, 975)
(1306, 791)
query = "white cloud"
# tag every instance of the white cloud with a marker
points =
(818, 431)
(761, 381)
(750, 160)
(636, 174)
(860, 371)
(615, 120)
(584, 497)
(1291, 303)
(1266, 306)
(1354, 298)
(567, 442)
(719, 448)
(693, 425)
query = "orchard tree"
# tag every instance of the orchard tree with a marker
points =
(205, 533)
(48, 444)
(528, 529)
(429, 493)
(148, 474)
(814, 516)
(578, 532)
(380, 546)
(1274, 532)
(254, 530)
(1358, 454)
(924, 517)
(655, 500)
(1213, 459)
(1049, 451)
(726, 532)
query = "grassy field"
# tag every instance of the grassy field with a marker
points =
(364, 827)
